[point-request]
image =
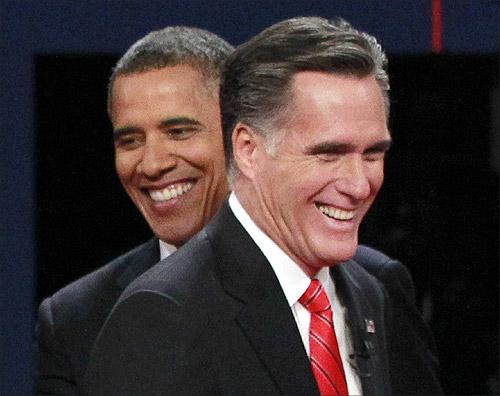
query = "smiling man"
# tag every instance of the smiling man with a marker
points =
(311, 189)
(164, 107)
(275, 296)
(168, 147)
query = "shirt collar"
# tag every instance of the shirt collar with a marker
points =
(166, 249)
(293, 280)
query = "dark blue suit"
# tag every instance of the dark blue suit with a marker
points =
(213, 319)
(69, 321)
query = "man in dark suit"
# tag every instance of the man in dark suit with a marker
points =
(274, 296)
(163, 104)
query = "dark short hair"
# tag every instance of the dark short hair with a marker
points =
(172, 46)
(256, 82)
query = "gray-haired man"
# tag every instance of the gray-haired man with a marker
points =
(274, 296)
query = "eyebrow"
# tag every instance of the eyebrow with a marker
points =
(166, 123)
(341, 148)
(382, 146)
(169, 122)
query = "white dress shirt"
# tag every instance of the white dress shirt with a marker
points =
(166, 249)
(294, 282)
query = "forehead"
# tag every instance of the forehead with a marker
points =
(337, 106)
(310, 87)
(173, 89)
(167, 79)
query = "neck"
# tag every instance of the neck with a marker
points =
(256, 209)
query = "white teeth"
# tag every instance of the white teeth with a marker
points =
(156, 195)
(173, 191)
(337, 214)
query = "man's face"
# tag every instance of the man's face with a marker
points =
(318, 184)
(168, 149)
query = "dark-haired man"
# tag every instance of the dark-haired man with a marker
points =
(274, 296)
(163, 102)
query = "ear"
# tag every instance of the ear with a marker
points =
(246, 144)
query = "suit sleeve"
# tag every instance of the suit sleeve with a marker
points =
(146, 347)
(54, 374)
(413, 358)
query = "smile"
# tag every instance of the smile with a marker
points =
(335, 213)
(170, 192)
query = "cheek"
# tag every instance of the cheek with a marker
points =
(306, 182)
(295, 190)
(204, 153)
(124, 165)
(376, 179)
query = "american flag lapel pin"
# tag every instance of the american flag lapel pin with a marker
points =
(370, 326)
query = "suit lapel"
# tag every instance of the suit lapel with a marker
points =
(270, 327)
(140, 260)
(267, 321)
(366, 325)
(265, 317)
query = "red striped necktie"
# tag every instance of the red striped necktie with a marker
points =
(324, 351)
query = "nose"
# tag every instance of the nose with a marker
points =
(156, 159)
(352, 179)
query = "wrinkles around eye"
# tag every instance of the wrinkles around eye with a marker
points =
(181, 133)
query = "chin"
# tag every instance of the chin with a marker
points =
(343, 252)
(177, 235)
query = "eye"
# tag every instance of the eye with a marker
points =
(328, 157)
(374, 156)
(127, 141)
(181, 133)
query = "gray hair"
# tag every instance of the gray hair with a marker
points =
(256, 83)
(173, 46)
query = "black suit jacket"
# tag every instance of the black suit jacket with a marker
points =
(69, 321)
(213, 319)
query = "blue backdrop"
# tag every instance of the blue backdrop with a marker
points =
(29, 28)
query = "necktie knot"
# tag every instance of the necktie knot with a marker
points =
(314, 298)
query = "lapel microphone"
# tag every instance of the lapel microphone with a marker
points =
(363, 350)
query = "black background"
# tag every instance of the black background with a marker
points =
(437, 211)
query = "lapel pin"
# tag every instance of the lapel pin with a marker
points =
(370, 326)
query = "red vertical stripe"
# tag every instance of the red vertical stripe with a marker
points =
(437, 26)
